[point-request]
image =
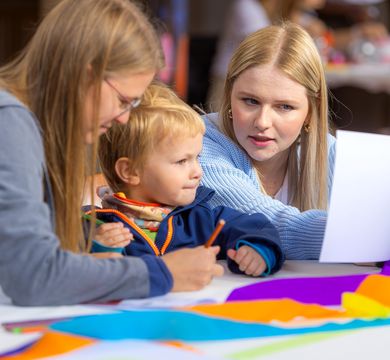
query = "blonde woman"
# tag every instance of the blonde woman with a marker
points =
(86, 67)
(269, 150)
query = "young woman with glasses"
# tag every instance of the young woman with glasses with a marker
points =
(85, 68)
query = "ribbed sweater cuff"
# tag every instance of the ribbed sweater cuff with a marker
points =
(302, 238)
(160, 278)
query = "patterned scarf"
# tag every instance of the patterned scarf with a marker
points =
(147, 216)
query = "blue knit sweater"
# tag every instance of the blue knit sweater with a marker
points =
(228, 170)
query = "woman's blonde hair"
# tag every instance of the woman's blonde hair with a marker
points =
(77, 45)
(161, 116)
(290, 49)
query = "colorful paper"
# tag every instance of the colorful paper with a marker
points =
(11, 343)
(358, 305)
(266, 311)
(376, 287)
(133, 350)
(51, 344)
(386, 268)
(362, 344)
(186, 326)
(314, 290)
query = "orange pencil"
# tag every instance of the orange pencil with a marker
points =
(215, 233)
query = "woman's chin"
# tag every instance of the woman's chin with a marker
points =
(89, 136)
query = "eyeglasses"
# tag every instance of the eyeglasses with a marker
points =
(125, 104)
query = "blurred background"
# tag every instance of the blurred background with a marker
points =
(198, 37)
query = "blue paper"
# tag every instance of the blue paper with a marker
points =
(185, 326)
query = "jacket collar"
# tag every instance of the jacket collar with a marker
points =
(203, 195)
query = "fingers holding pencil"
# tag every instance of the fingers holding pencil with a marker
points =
(221, 223)
(193, 268)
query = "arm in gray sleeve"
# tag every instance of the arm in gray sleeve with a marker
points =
(33, 268)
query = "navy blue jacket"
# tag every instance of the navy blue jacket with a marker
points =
(191, 226)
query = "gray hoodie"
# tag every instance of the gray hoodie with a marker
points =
(33, 268)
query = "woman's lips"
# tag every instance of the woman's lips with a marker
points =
(260, 141)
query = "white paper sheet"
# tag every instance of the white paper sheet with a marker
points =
(217, 292)
(12, 314)
(359, 344)
(12, 342)
(358, 226)
(134, 350)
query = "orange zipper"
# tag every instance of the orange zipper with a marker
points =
(141, 232)
(169, 235)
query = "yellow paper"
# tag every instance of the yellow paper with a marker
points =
(357, 305)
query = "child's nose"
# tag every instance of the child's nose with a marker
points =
(197, 173)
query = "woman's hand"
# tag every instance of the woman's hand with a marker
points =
(192, 269)
(113, 235)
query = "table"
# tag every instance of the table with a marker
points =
(221, 287)
(361, 96)
(371, 341)
(372, 77)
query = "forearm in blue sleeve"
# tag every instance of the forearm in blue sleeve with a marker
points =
(97, 247)
(161, 280)
(266, 252)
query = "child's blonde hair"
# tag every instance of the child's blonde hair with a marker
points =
(162, 116)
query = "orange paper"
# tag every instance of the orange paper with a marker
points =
(376, 287)
(265, 311)
(51, 344)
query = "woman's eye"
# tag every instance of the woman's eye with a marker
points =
(250, 101)
(286, 107)
(123, 103)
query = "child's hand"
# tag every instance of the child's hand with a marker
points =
(248, 260)
(113, 235)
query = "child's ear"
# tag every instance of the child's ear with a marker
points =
(124, 172)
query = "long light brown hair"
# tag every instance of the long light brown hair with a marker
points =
(77, 44)
(292, 51)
